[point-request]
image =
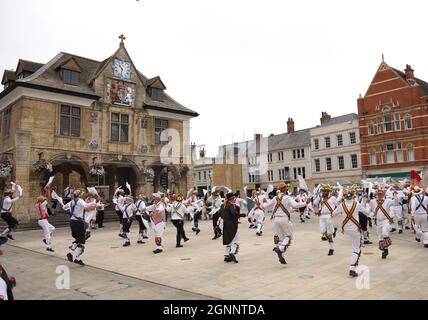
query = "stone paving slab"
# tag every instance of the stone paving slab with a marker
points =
(198, 268)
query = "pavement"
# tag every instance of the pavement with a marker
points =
(197, 271)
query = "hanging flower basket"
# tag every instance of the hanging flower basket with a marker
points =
(97, 171)
(5, 168)
(42, 166)
(184, 171)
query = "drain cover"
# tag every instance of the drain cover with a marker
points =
(306, 276)
(186, 259)
(368, 253)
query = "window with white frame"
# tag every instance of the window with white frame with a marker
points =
(341, 162)
(371, 129)
(400, 157)
(353, 137)
(339, 140)
(408, 122)
(317, 165)
(270, 175)
(303, 153)
(316, 144)
(397, 122)
(410, 153)
(295, 173)
(281, 156)
(373, 160)
(354, 161)
(390, 153)
(327, 142)
(387, 123)
(328, 164)
(269, 157)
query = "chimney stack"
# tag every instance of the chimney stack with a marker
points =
(409, 72)
(324, 117)
(290, 125)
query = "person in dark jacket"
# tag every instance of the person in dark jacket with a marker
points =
(230, 215)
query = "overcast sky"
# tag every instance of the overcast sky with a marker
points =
(244, 65)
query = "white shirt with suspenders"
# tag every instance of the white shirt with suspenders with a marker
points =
(419, 205)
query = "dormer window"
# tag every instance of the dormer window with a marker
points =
(70, 77)
(155, 94)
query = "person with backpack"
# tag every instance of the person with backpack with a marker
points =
(6, 203)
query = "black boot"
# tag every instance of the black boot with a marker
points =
(233, 258)
(280, 257)
(178, 245)
(353, 274)
(334, 233)
(330, 252)
(385, 253)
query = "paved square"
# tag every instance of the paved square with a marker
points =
(198, 271)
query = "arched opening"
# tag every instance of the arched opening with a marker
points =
(167, 177)
(118, 173)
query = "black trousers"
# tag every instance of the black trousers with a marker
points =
(127, 223)
(363, 221)
(179, 224)
(78, 231)
(196, 218)
(141, 223)
(120, 216)
(10, 220)
(217, 230)
(100, 218)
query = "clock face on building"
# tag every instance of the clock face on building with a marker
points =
(122, 69)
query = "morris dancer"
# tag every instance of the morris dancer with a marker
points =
(158, 219)
(77, 207)
(303, 198)
(258, 212)
(215, 212)
(327, 204)
(6, 213)
(142, 218)
(419, 205)
(231, 238)
(48, 229)
(349, 209)
(118, 199)
(250, 206)
(90, 214)
(178, 211)
(363, 219)
(384, 220)
(128, 209)
(282, 204)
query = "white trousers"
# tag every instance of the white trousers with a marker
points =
(356, 248)
(48, 229)
(421, 227)
(283, 232)
(397, 213)
(89, 218)
(383, 229)
(232, 247)
(327, 227)
(159, 230)
(259, 215)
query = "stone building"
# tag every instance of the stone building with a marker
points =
(74, 117)
(393, 117)
(335, 150)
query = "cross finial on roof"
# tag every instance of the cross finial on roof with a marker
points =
(122, 38)
(383, 58)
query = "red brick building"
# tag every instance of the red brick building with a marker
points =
(393, 117)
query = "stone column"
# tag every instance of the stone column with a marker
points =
(24, 210)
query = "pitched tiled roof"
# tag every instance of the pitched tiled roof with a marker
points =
(423, 84)
(47, 76)
(340, 119)
(29, 66)
(9, 75)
